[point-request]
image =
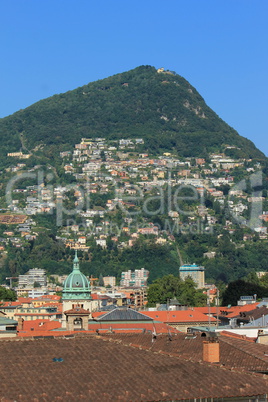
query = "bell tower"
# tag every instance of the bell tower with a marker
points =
(76, 293)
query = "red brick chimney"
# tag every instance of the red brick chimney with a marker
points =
(211, 351)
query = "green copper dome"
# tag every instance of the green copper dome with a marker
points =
(76, 285)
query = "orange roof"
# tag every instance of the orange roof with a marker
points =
(52, 328)
(98, 313)
(40, 325)
(47, 297)
(25, 299)
(9, 304)
(178, 316)
(95, 296)
(235, 310)
(238, 336)
(209, 310)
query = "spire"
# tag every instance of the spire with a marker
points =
(76, 262)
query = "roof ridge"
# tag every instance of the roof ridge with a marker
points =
(190, 359)
(244, 351)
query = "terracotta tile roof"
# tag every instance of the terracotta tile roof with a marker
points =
(9, 304)
(235, 310)
(253, 313)
(25, 300)
(47, 297)
(101, 369)
(38, 325)
(234, 353)
(95, 296)
(179, 316)
(98, 313)
(208, 310)
(237, 336)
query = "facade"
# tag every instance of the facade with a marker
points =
(36, 313)
(139, 297)
(109, 281)
(8, 327)
(134, 278)
(33, 275)
(195, 272)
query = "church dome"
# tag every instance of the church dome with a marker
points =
(76, 281)
(76, 285)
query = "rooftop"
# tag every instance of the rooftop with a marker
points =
(106, 368)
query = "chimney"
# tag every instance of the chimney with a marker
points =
(20, 324)
(211, 351)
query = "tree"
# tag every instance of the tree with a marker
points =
(7, 294)
(170, 287)
(101, 282)
(239, 288)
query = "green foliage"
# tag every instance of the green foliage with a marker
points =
(234, 259)
(159, 260)
(171, 287)
(7, 294)
(239, 288)
(164, 109)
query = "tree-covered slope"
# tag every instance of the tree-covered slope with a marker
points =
(160, 107)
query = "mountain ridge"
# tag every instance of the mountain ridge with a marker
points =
(157, 105)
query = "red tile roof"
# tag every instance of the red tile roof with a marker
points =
(179, 316)
(105, 369)
(233, 311)
(39, 325)
(234, 353)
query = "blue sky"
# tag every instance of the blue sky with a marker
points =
(219, 46)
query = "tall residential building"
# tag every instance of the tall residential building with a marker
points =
(134, 278)
(195, 272)
(37, 275)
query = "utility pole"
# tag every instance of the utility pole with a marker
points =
(10, 280)
(208, 303)
(217, 303)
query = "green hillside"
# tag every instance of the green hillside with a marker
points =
(160, 107)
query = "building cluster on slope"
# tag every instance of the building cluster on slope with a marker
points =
(118, 176)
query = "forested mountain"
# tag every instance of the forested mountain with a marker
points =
(121, 206)
(159, 106)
